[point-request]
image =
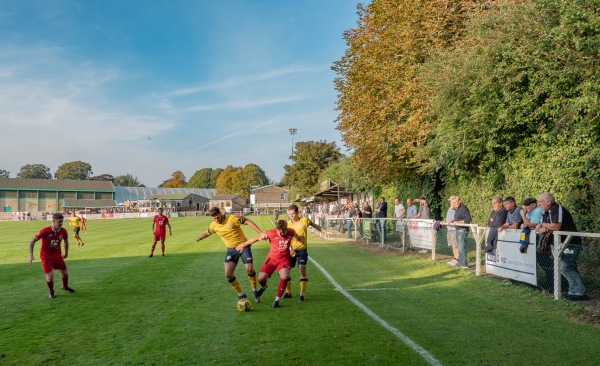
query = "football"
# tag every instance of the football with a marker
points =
(244, 305)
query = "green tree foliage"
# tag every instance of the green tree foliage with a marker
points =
(127, 180)
(37, 171)
(108, 177)
(237, 180)
(308, 162)
(74, 170)
(177, 180)
(382, 102)
(4, 173)
(204, 178)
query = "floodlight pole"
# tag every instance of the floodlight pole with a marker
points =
(293, 131)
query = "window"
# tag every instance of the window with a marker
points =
(282, 197)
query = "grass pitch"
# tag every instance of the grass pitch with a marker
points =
(179, 309)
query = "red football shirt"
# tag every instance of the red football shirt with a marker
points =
(160, 223)
(51, 242)
(280, 245)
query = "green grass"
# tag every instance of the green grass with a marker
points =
(134, 310)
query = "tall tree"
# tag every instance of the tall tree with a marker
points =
(108, 177)
(37, 171)
(309, 160)
(227, 180)
(201, 179)
(237, 180)
(214, 175)
(74, 170)
(4, 173)
(381, 101)
(127, 180)
(177, 180)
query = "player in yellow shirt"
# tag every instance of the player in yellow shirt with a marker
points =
(75, 224)
(300, 226)
(228, 227)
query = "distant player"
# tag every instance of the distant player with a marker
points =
(278, 257)
(159, 229)
(300, 245)
(228, 227)
(50, 253)
(75, 224)
(83, 221)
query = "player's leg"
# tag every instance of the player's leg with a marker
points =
(64, 276)
(266, 270)
(302, 262)
(50, 282)
(288, 286)
(231, 260)
(248, 263)
(162, 246)
(284, 274)
(153, 247)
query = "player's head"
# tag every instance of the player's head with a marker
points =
(160, 211)
(57, 219)
(215, 213)
(293, 211)
(281, 227)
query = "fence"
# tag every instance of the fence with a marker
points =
(506, 260)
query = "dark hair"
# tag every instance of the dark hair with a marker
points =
(293, 207)
(57, 216)
(509, 199)
(529, 201)
(281, 225)
(214, 211)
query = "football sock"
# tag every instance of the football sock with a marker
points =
(303, 283)
(252, 278)
(162, 247)
(281, 288)
(65, 282)
(288, 286)
(50, 285)
(152, 250)
(236, 285)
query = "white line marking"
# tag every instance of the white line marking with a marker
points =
(409, 342)
(372, 289)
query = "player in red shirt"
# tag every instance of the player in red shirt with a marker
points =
(159, 229)
(278, 257)
(50, 254)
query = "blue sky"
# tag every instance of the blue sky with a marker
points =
(150, 87)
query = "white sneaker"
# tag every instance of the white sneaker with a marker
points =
(453, 262)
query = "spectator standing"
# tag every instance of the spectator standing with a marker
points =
(381, 213)
(557, 218)
(451, 235)
(358, 221)
(513, 214)
(461, 216)
(531, 214)
(495, 221)
(424, 211)
(399, 214)
(411, 209)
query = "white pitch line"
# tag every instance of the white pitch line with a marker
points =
(372, 289)
(409, 342)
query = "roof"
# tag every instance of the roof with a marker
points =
(226, 197)
(179, 196)
(334, 192)
(123, 194)
(270, 185)
(56, 184)
(71, 203)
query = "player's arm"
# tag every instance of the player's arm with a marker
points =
(153, 223)
(31, 245)
(204, 235)
(320, 228)
(247, 243)
(66, 247)
(254, 227)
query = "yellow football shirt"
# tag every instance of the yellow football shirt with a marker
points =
(75, 221)
(301, 229)
(230, 230)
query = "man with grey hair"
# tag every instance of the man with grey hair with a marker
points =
(556, 218)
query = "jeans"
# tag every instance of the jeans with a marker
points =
(568, 268)
(461, 245)
(349, 227)
(359, 227)
(381, 229)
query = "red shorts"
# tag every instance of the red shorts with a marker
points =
(271, 265)
(160, 237)
(50, 264)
